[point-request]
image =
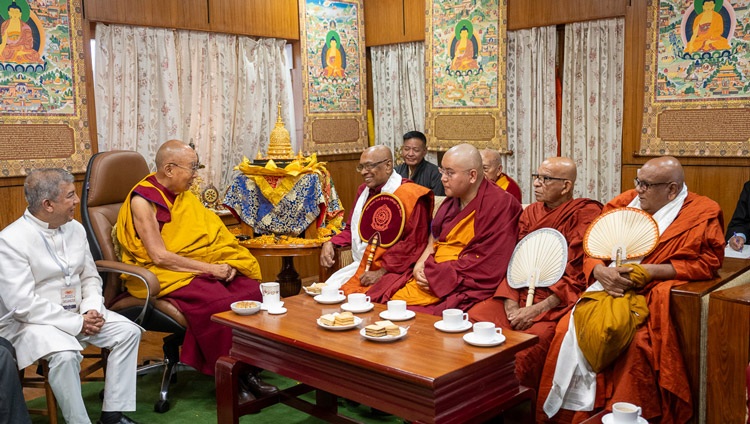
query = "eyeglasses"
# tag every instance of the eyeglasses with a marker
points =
(369, 166)
(645, 186)
(450, 173)
(545, 179)
(192, 168)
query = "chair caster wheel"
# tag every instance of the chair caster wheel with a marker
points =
(161, 406)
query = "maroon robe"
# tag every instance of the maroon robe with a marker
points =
(571, 219)
(482, 263)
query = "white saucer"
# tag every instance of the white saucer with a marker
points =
(610, 419)
(281, 310)
(364, 308)
(440, 325)
(326, 301)
(357, 321)
(263, 306)
(471, 339)
(363, 333)
(408, 315)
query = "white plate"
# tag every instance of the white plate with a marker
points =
(384, 338)
(465, 325)
(471, 339)
(408, 315)
(357, 321)
(279, 311)
(338, 299)
(610, 419)
(364, 308)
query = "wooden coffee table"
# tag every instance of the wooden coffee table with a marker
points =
(427, 376)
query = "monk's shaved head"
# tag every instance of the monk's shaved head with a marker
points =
(171, 150)
(492, 166)
(176, 165)
(555, 181)
(376, 165)
(462, 172)
(659, 182)
(563, 167)
(466, 156)
(379, 152)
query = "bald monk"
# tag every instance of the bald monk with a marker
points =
(651, 371)
(472, 238)
(376, 168)
(554, 208)
(202, 269)
(493, 171)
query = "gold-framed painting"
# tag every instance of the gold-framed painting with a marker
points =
(44, 118)
(465, 73)
(333, 76)
(697, 79)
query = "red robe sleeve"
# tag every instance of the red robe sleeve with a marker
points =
(402, 256)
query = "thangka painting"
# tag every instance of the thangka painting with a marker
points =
(465, 73)
(697, 78)
(333, 74)
(43, 114)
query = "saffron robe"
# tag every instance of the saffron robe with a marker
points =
(190, 230)
(651, 372)
(482, 263)
(405, 253)
(510, 185)
(572, 218)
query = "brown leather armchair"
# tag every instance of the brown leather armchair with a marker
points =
(109, 178)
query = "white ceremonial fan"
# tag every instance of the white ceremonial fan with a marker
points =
(623, 233)
(538, 260)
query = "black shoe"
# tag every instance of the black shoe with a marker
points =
(257, 387)
(244, 394)
(123, 420)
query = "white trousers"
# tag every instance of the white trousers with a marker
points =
(122, 339)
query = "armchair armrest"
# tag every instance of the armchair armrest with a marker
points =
(146, 277)
(342, 256)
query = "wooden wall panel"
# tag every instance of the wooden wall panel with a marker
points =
(384, 22)
(263, 18)
(535, 13)
(188, 14)
(414, 20)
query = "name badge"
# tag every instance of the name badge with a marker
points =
(68, 297)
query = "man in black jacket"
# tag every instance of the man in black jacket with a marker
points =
(415, 167)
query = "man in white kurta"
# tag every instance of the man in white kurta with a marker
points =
(48, 275)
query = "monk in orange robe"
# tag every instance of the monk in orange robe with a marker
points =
(493, 171)
(472, 238)
(554, 208)
(651, 371)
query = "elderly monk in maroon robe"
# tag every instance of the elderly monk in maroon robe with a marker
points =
(651, 371)
(472, 238)
(554, 208)
(376, 168)
(201, 267)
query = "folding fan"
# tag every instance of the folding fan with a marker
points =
(623, 233)
(538, 260)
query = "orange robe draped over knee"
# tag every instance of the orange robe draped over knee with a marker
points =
(571, 219)
(190, 230)
(481, 261)
(651, 372)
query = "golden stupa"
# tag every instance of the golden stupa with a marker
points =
(281, 144)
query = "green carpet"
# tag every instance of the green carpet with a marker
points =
(193, 400)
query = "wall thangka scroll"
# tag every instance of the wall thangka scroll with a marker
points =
(465, 73)
(697, 78)
(333, 74)
(43, 110)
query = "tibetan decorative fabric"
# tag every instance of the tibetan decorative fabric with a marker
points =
(383, 214)
(306, 200)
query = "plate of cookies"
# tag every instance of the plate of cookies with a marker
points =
(339, 321)
(383, 331)
(314, 289)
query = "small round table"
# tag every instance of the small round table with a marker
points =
(288, 278)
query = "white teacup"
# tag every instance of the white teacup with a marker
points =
(271, 293)
(455, 318)
(275, 307)
(486, 331)
(624, 413)
(358, 299)
(396, 308)
(331, 292)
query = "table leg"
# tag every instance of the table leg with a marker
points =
(289, 281)
(228, 371)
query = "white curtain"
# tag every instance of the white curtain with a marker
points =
(218, 91)
(398, 86)
(531, 104)
(592, 105)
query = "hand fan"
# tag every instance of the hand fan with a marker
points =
(623, 233)
(538, 260)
